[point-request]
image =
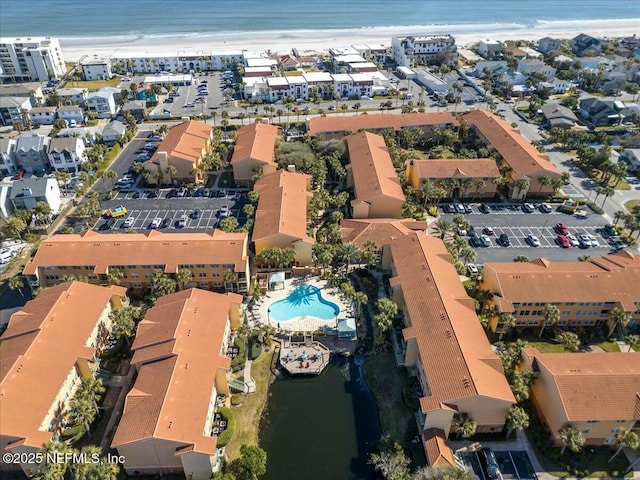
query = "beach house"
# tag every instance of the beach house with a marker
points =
(66, 153)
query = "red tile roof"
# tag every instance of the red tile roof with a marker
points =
(40, 346)
(438, 452)
(523, 157)
(457, 168)
(456, 355)
(256, 141)
(378, 121)
(171, 396)
(378, 230)
(186, 140)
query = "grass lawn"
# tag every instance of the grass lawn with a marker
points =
(386, 382)
(93, 85)
(546, 347)
(248, 414)
(609, 346)
(631, 205)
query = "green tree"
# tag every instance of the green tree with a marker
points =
(521, 258)
(161, 285)
(617, 316)
(252, 462)
(391, 463)
(569, 340)
(517, 419)
(115, 276)
(507, 321)
(551, 315)
(442, 473)
(626, 439)
(633, 341)
(17, 283)
(91, 388)
(82, 412)
(52, 470)
(443, 227)
(14, 227)
(123, 322)
(183, 277)
(229, 224)
(571, 438)
(464, 425)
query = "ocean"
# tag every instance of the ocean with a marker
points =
(115, 21)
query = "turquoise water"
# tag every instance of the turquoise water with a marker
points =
(304, 301)
(87, 21)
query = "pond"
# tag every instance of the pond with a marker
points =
(321, 427)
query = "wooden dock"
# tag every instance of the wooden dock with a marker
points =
(304, 358)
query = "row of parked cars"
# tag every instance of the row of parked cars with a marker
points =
(484, 208)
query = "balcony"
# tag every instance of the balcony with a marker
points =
(399, 345)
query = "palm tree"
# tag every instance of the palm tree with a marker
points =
(633, 341)
(570, 437)
(115, 276)
(443, 227)
(522, 186)
(182, 277)
(551, 316)
(359, 299)
(163, 130)
(91, 388)
(82, 412)
(478, 184)
(619, 215)
(517, 419)
(626, 439)
(464, 425)
(543, 180)
(607, 192)
(617, 316)
(53, 470)
(569, 340)
(507, 320)
(63, 178)
(17, 283)
(171, 171)
(348, 254)
(111, 176)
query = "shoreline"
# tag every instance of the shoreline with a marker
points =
(282, 42)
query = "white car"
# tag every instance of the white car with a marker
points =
(472, 269)
(585, 241)
(182, 222)
(182, 192)
(532, 240)
(156, 223)
(224, 211)
(573, 240)
(128, 223)
(545, 208)
(593, 240)
(485, 240)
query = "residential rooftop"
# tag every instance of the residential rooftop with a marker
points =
(378, 121)
(186, 140)
(256, 141)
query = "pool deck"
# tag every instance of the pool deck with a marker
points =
(304, 358)
(306, 323)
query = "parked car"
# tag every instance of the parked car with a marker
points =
(545, 208)
(528, 208)
(224, 211)
(488, 231)
(128, 223)
(585, 241)
(459, 208)
(195, 214)
(472, 269)
(165, 223)
(573, 240)
(504, 240)
(156, 222)
(562, 229)
(485, 240)
(181, 192)
(563, 241)
(609, 230)
(108, 224)
(450, 208)
(489, 464)
(532, 240)
(475, 241)
(467, 208)
(182, 222)
(593, 240)
(137, 195)
(484, 208)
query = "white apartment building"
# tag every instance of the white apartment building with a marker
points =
(43, 115)
(72, 96)
(409, 51)
(488, 47)
(177, 62)
(26, 59)
(96, 68)
(376, 53)
(102, 103)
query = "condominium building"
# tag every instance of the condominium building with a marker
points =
(179, 353)
(27, 59)
(375, 183)
(281, 216)
(66, 153)
(598, 393)
(460, 177)
(584, 292)
(409, 51)
(49, 346)
(255, 148)
(96, 68)
(519, 159)
(338, 127)
(211, 257)
(149, 62)
(376, 232)
(443, 343)
(184, 148)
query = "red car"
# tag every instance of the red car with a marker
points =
(562, 229)
(563, 241)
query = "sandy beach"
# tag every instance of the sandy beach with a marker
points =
(320, 40)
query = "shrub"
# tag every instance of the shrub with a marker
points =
(74, 433)
(595, 208)
(238, 362)
(255, 349)
(432, 211)
(237, 400)
(225, 437)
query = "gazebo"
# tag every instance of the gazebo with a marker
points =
(276, 281)
(347, 329)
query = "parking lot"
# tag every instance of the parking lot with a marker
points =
(518, 224)
(169, 210)
(514, 465)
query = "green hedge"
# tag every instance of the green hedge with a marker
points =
(225, 437)
(238, 362)
(237, 400)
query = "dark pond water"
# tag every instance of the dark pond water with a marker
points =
(321, 427)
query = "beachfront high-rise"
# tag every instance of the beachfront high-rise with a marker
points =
(35, 59)
(409, 51)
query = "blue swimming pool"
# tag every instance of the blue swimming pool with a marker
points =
(304, 301)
